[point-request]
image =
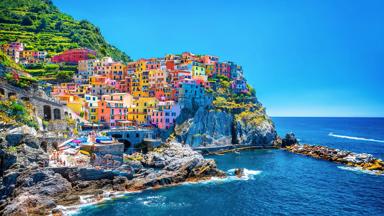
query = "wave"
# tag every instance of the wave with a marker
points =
(91, 200)
(355, 138)
(359, 170)
(248, 175)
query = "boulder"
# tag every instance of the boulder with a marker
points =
(289, 139)
(16, 136)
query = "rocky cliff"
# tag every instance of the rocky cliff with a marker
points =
(210, 127)
(221, 119)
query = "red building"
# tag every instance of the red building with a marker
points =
(74, 55)
(170, 65)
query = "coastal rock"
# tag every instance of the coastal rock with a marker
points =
(290, 139)
(363, 160)
(31, 188)
(28, 157)
(23, 134)
(261, 134)
(183, 164)
(36, 191)
(7, 160)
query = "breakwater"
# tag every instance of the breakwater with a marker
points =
(362, 160)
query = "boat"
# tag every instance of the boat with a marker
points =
(84, 152)
(106, 141)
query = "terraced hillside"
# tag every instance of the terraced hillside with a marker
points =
(41, 26)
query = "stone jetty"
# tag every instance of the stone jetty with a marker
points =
(362, 160)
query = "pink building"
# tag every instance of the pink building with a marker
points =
(17, 46)
(165, 115)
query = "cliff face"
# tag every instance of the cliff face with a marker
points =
(206, 128)
(211, 127)
(260, 133)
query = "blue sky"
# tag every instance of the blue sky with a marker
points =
(304, 57)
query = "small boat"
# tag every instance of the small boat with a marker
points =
(106, 141)
(84, 152)
(236, 152)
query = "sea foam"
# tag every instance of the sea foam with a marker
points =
(359, 170)
(355, 138)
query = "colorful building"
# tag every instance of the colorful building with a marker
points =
(91, 108)
(139, 112)
(113, 108)
(164, 116)
(73, 56)
(239, 86)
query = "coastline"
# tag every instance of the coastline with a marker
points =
(362, 161)
(108, 195)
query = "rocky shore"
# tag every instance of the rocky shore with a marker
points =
(363, 161)
(30, 187)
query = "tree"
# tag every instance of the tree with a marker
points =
(27, 21)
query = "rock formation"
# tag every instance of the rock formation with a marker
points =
(363, 161)
(29, 186)
(207, 126)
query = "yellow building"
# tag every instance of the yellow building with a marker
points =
(27, 54)
(76, 104)
(144, 84)
(198, 70)
(91, 108)
(135, 86)
(139, 113)
(141, 65)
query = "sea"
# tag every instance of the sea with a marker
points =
(276, 182)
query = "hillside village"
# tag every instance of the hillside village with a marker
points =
(146, 93)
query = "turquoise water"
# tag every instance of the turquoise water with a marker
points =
(278, 182)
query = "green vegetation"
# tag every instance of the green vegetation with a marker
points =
(17, 111)
(60, 72)
(22, 82)
(226, 98)
(41, 26)
(244, 106)
(252, 118)
(7, 62)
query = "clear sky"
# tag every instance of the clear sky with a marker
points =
(304, 57)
